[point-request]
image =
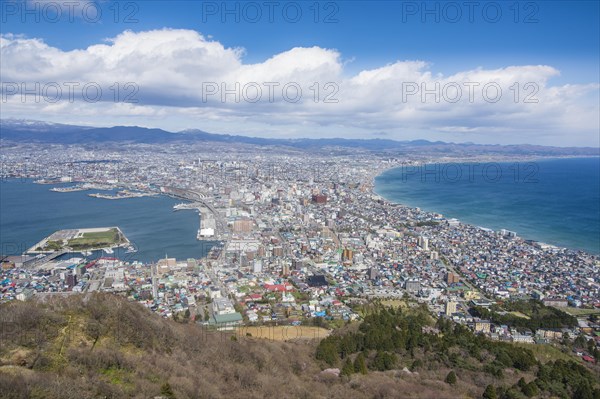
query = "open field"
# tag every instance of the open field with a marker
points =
(106, 238)
(396, 303)
(519, 314)
(546, 353)
(580, 312)
(283, 333)
(81, 239)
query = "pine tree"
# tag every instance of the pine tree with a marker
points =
(417, 364)
(583, 392)
(530, 390)
(359, 364)
(451, 378)
(490, 392)
(348, 368)
(327, 351)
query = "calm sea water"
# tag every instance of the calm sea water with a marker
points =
(29, 212)
(556, 201)
(553, 201)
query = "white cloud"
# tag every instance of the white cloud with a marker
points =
(171, 71)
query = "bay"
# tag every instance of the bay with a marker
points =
(556, 201)
(29, 212)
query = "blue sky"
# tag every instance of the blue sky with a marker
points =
(366, 36)
(559, 33)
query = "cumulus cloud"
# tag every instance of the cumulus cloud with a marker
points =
(178, 78)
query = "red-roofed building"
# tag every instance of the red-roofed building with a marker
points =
(252, 297)
(278, 287)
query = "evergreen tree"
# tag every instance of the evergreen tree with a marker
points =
(327, 350)
(348, 368)
(490, 392)
(583, 392)
(530, 390)
(451, 378)
(417, 364)
(503, 358)
(579, 341)
(359, 364)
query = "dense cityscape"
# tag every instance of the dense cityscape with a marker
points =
(296, 239)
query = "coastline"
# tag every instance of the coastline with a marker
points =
(374, 190)
(141, 219)
(371, 179)
(124, 241)
(370, 183)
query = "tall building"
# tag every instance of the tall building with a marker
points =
(192, 265)
(261, 251)
(257, 266)
(450, 308)
(242, 226)
(347, 255)
(452, 278)
(413, 286)
(71, 280)
(278, 251)
(297, 264)
(373, 273)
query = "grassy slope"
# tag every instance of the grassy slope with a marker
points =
(103, 346)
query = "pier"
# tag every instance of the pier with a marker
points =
(40, 261)
(210, 218)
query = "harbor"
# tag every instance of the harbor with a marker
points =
(208, 224)
(124, 194)
(81, 240)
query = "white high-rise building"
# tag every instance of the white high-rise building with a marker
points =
(423, 243)
(257, 267)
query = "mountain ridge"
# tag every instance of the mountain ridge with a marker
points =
(24, 131)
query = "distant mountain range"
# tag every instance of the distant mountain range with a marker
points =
(27, 131)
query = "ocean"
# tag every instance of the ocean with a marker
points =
(29, 212)
(556, 201)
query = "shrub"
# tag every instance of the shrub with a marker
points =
(451, 378)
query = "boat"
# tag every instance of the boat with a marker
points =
(131, 249)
